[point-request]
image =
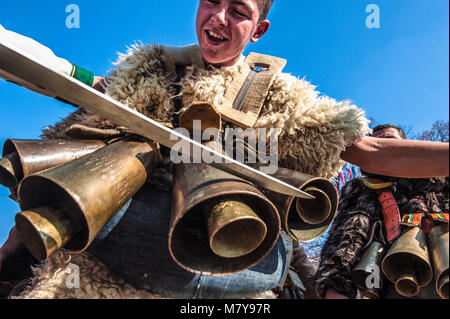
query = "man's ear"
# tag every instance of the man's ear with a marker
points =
(262, 28)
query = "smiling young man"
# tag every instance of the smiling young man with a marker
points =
(313, 132)
(224, 28)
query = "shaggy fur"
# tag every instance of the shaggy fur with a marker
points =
(313, 130)
(359, 208)
(96, 282)
(50, 279)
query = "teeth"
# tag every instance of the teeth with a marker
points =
(215, 35)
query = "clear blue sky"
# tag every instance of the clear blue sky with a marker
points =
(398, 73)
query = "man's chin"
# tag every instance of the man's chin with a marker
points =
(211, 57)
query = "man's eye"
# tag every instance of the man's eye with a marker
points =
(239, 13)
(213, 1)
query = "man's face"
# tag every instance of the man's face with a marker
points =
(388, 133)
(224, 27)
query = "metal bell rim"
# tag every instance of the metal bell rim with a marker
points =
(244, 218)
(37, 250)
(10, 147)
(291, 210)
(422, 281)
(9, 180)
(442, 286)
(443, 277)
(408, 278)
(81, 240)
(298, 206)
(255, 252)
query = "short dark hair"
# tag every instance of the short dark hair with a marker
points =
(265, 9)
(385, 126)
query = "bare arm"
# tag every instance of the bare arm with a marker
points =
(399, 158)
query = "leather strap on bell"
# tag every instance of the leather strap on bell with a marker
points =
(440, 217)
(414, 219)
(391, 215)
(391, 212)
(245, 97)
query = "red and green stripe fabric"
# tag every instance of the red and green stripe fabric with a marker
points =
(82, 75)
(415, 219)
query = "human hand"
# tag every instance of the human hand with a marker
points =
(99, 83)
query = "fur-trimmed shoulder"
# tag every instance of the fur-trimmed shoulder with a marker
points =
(141, 82)
(313, 129)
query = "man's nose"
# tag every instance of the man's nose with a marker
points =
(221, 16)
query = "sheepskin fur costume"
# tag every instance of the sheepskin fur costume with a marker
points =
(312, 129)
(359, 208)
(55, 279)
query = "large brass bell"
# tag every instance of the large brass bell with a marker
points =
(438, 240)
(370, 265)
(305, 219)
(234, 229)
(407, 263)
(68, 205)
(220, 224)
(22, 158)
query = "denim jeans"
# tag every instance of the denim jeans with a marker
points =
(135, 246)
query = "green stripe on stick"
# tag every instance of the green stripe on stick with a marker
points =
(84, 76)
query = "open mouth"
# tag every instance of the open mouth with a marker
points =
(215, 37)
